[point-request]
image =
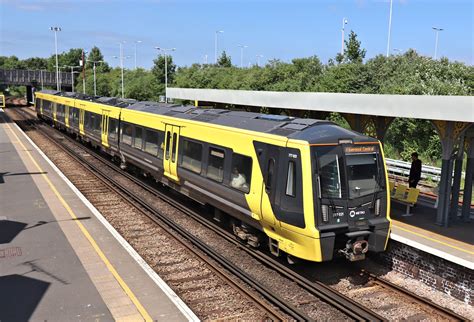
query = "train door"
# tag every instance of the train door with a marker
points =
(170, 159)
(66, 115)
(81, 122)
(271, 174)
(55, 109)
(105, 128)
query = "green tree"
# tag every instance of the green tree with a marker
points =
(142, 85)
(158, 69)
(224, 60)
(35, 63)
(353, 53)
(96, 55)
(11, 62)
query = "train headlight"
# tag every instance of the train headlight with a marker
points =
(325, 213)
(377, 207)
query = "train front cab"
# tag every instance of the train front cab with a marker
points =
(351, 199)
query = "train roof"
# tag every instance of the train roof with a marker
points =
(311, 130)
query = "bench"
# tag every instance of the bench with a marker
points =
(409, 199)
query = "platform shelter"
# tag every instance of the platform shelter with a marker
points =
(451, 116)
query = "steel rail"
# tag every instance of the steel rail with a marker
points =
(446, 313)
(190, 241)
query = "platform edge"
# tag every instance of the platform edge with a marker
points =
(184, 309)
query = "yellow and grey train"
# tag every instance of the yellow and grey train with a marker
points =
(308, 189)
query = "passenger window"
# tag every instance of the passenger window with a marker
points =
(96, 124)
(112, 129)
(91, 121)
(151, 142)
(137, 143)
(175, 142)
(161, 140)
(270, 170)
(168, 140)
(241, 172)
(192, 155)
(291, 179)
(126, 133)
(87, 120)
(215, 167)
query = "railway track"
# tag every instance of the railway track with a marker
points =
(350, 308)
(273, 307)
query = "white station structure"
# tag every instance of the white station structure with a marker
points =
(451, 116)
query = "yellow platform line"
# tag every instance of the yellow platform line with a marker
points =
(398, 225)
(88, 236)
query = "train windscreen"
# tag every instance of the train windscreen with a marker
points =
(349, 172)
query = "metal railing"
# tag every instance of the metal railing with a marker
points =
(402, 168)
(33, 77)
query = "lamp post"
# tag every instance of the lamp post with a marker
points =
(60, 80)
(136, 42)
(82, 64)
(41, 75)
(164, 50)
(437, 30)
(121, 64)
(56, 29)
(344, 22)
(258, 59)
(121, 58)
(94, 66)
(242, 55)
(72, 74)
(215, 44)
(389, 27)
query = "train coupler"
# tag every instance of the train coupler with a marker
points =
(355, 251)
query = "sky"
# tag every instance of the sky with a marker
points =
(270, 28)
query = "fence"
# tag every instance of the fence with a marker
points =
(402, 168)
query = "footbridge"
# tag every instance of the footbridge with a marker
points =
(451, 116)
(34, 79)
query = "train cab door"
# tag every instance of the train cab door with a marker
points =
(268, 157)
(271, 174)
(105, 128)
(170, 158)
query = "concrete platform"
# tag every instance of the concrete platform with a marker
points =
(59, 258)
(454, 243)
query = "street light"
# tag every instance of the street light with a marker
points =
(56, 29)
(258, 59)
(136, 42)
(121, 58)
(437, 30)
(94, 63)
(389, 27)
(242, 55)
(164, 50)
(215, 45)
(72, 74)
(344, 22)
(121, 62)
